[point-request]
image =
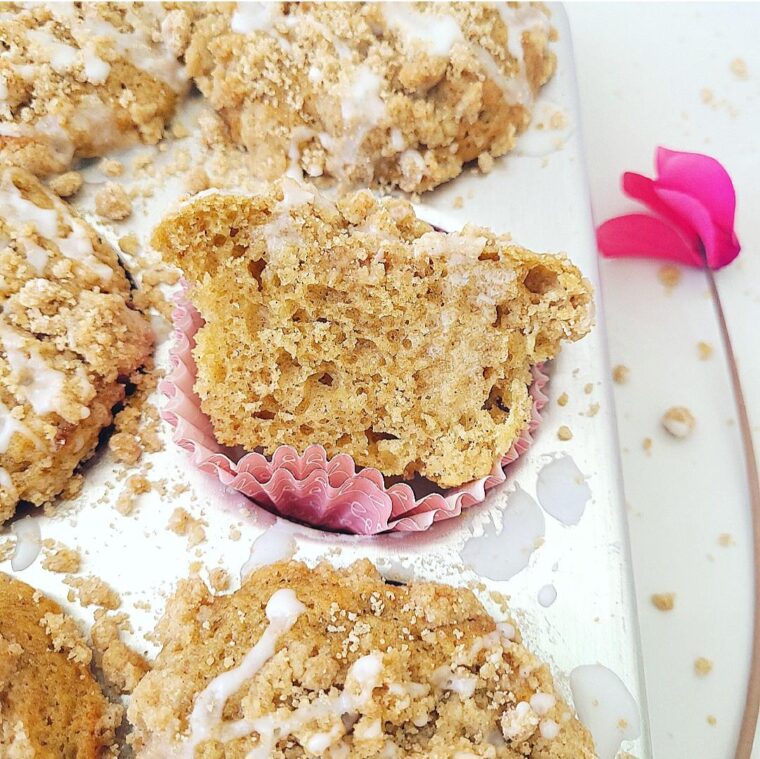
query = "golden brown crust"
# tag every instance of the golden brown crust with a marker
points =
(50, 704)
(372, 92)
(450, 680)
(69, 337)
(360, 328)
(81, 80)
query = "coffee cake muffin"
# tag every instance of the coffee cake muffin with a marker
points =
(335, 663)
(359, 327)
(69, 338)
(400, 94)
(50, 704)
(77, 80)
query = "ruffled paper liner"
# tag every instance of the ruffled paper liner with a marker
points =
(331, 494)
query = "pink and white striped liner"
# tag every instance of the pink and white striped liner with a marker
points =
(332, 494)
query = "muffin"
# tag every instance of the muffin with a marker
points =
(69, 339)
(50, 704)
(78, 80)
(386, 93)
(336, 663)
(360, 328)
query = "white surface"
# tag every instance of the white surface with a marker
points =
(641, 70)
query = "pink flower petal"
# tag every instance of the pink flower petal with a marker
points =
(720, 247)
(644, 189)
(639, 235)
(701, 177)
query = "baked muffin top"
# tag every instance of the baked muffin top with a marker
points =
(69, 337)
(50, 704)
(399, 94)
(79, 79)
(359, 327)
(323, 662)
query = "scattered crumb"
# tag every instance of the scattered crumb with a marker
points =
(122, 667)
(705, 350)
(646, 444)
(129, 244)
(135, 486)
(7, 546)
(111, 202)
(458, 202)
(66, 185)
(669, 275)
(235, 533)
(678, 421)
(562, 400)
(664, 601)
(60, 558)
(725, 539)
(197, 180)
(485, 163)
(739, 68)
(711, 720)
(620, 374)
(92, 591)
(564, 433)
(592, 410)
(707, 95)
(111, 167)
(179, 130)
(219, 579)
(181, 523)
(702, 666)
(65, 636)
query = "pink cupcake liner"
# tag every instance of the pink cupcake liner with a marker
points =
(332, 494)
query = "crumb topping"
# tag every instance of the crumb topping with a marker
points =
(372, 92)
(325, 662)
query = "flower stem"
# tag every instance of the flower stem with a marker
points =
(752, 703)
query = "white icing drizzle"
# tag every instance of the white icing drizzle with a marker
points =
(39, 384)
(282, 611)
(436, 32)
(276, 544)
(362, 109)
(47, 129)
(28, 543)
(606, 707)
(255, 17)
(463, 685)
(135, 46)
(77, 245)
(35, 254)
(9, 426)
(5, 480)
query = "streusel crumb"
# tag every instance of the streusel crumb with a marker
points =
(69, 336)
(182, 523)
(66, 185)
(620, 374)
(112, 202)
(345, 665)
(664, 601)
(50, 703)
(678, 421)
(373, 92)
(361, 328)
(82, 79)
(92, 591)
(60, 558)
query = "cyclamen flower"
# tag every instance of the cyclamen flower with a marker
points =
(694, 202)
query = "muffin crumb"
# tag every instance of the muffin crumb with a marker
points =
(122, 667)
(92, 591)
(669, 275)
(564, 433)
(620, 374)
(66, 185)
(678, 421)
(664, 601)
(112, 202)
(60, 558)
(702, 666)
(704, 350)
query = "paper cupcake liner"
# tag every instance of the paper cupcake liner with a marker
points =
(311, 488)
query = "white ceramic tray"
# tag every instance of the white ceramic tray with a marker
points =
(539, 194)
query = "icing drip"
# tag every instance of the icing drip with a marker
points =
(77, 245)
(436, 32)
(9, 426)
(282, 611)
